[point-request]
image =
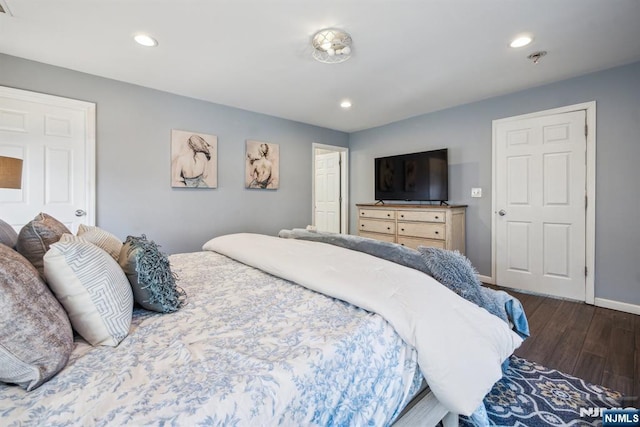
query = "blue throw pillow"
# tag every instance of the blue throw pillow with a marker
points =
(148, 270)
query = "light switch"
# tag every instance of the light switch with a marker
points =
(476, 192)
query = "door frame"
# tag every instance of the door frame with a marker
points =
(590, 220)
(344, 183)
(89, 109)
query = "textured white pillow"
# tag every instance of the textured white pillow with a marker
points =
(92, 288)
(101, 238)
(68, 237)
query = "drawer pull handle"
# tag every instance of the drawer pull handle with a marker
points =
(388, 228)
(402, 229)
(361, 225)
(388, 214)
(436, 217)
(401, 244)
(401, 216)
(436, 232)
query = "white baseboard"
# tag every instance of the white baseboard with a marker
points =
(599, 302)
(617, 305)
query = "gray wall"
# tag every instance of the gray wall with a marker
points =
(466, 131)
(133, 180)
(133, 159)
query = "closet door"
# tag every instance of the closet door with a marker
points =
(55, 137)
(540, 203)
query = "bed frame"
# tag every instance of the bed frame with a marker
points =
(425, 411)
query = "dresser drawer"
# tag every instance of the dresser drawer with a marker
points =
(414, 225)
(377, 213)
(377, 226)
(384, 237)
(421, 229)
(426, 216)
(414, 242)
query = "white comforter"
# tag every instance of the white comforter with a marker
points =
(460, 346)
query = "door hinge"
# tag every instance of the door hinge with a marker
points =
(586, 201)
(586, 129)
(586, 271)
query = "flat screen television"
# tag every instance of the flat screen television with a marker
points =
(413, 177)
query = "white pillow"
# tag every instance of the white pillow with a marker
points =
(101, 238)
(92, 288)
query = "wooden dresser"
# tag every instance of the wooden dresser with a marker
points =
(414, 225)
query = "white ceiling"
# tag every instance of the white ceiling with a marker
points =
(410, 57)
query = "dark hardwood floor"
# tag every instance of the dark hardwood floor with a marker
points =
(599, 345)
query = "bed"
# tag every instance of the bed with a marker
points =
(259, 343)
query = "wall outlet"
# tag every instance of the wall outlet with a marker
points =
(476, 192)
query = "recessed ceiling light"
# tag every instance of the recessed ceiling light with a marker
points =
(145, 40)
(521, 41)
(346, 104)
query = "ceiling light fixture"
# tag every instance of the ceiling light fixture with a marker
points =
(331, 46)
(346, 104)
(521, 41)
(145, 40)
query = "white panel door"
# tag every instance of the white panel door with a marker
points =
(327, 192)
(55, 137)
(540, 202)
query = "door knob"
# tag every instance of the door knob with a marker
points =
(502, 212)
(80, 212)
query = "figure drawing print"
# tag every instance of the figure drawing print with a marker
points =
(194, 159)
(262, 165)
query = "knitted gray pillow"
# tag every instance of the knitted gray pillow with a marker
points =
(36, 337)
(8, 235)
(149, 273)
(36, 237)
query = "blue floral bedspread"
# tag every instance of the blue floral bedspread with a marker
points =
(247, 349)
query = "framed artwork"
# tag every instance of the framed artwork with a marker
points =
(194, 159)
(262, 165)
